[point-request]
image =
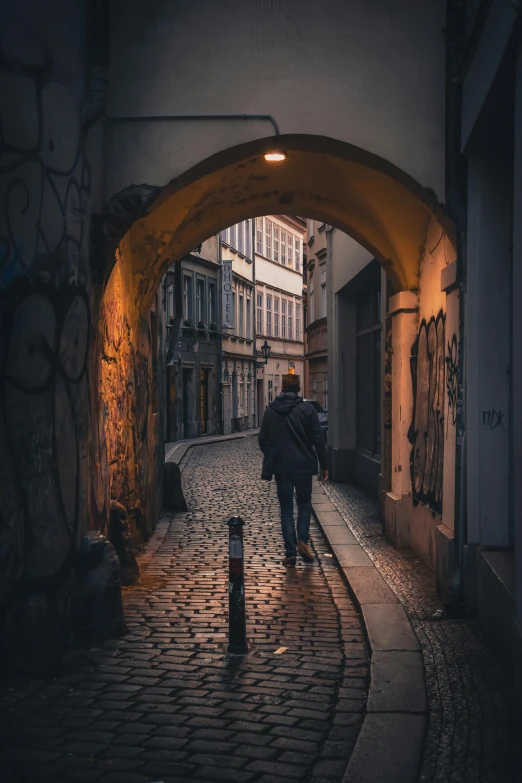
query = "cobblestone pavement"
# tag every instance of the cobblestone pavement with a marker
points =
(470, 734)
(164, 703)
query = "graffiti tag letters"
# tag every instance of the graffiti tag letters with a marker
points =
(493, 419)
(426, 432)
(452, 379)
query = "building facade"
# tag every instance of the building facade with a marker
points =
(193, 371)
(279, 242)
(239, 362)
(383, 160)
(316, 352)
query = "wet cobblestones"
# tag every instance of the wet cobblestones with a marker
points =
(164, 702)
(470, 737)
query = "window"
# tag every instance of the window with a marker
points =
(270, 390)
(241, 317)
(290, 321)
(314, 390)
(311, 306)
(201, 299)
(260, 313)
(269, 316)
(283, 246)
(232, 236)
(297, 254)
(289, 248)
(212, 303)
(310, 229)
(283, 319)
(276, 242)
(268, 238)
(248, 238)
(234, 310)
(249, 318)
(323, 293)
(241, 237)
(276, 317)
(224, 235)
(242, 394)
(188, 311)
(298, 322)
(259, 236)
(325, 394)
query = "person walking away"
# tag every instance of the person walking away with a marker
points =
(292, 441)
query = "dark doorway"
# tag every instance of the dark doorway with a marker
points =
(260, 402)
(235, 403)
(172, 423)
(203, 400)
(187, 399)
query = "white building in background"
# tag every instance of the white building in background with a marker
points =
(239, 361)
(279, 302)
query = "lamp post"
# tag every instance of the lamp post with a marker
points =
(265, 350)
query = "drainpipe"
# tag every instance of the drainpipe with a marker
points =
(98, 52)
(455, 198)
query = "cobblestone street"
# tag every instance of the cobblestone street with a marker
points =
(164, 703)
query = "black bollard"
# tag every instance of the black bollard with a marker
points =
(237, 644)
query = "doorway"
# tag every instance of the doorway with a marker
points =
(187, 399)
(235, 403)
(227, 409)
(203, 400)
(260, 402)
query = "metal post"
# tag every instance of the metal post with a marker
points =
(237, 644)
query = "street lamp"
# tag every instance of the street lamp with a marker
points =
(265, 350)
(275, 156)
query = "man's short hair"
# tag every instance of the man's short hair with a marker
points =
(291, 383)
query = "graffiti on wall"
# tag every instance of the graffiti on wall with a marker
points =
(45, 317)
(452, 380)
(493, 418)
(426, 432)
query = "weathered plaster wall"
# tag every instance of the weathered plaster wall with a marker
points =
(127, 353)
(54, 419)
(430, 476)
(47, 189)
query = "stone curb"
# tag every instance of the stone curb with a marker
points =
(178, 451)
(390, 742)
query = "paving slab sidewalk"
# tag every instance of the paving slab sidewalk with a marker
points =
(390, 743)
(175, 451)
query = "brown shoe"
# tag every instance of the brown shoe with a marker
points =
(305, 552)
(289, 561)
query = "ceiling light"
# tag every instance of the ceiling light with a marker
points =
(276, 155)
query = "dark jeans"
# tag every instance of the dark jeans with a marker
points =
(302, 483)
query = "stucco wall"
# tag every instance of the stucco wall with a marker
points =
(280, 55)
(47, 307)
(429, 478)
(132, 399)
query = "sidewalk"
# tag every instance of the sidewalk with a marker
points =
(174, 452)
(470, 735)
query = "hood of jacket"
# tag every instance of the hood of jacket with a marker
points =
(285, 403)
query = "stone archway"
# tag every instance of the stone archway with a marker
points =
(376, 203)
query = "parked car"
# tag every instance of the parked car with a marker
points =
(323, 416)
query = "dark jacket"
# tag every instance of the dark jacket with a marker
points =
(290, 437)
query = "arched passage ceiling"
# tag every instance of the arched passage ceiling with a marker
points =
(376, 203)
